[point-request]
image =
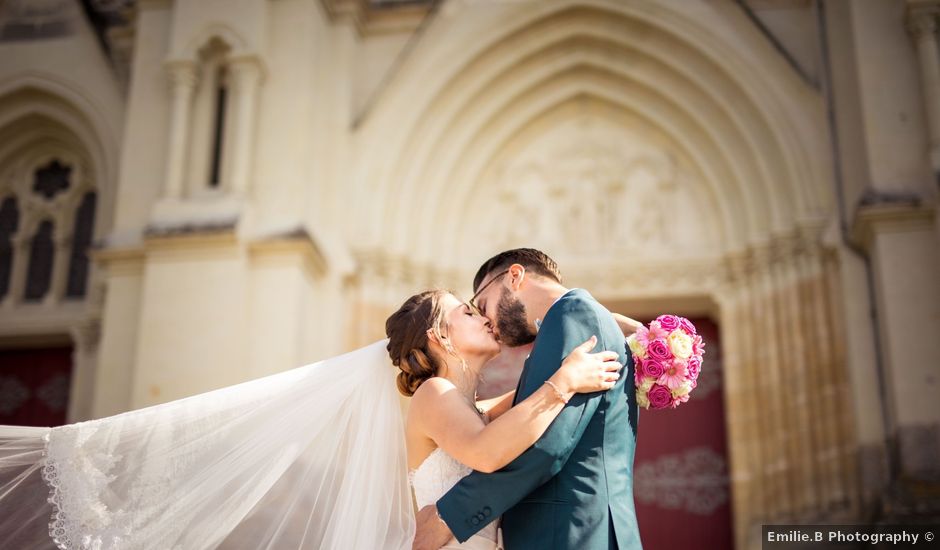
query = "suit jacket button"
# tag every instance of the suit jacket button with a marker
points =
(475, 521)
(487, 511)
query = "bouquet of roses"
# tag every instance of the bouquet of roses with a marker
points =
(668, 358)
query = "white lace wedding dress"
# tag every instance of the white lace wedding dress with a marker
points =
(434, 477)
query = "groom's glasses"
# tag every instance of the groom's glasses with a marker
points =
(473, 304)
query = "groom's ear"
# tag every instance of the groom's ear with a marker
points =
(517, 275)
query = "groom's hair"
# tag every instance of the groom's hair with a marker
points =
(534, 261)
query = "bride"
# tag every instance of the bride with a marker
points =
(441, 345)
(313, 457)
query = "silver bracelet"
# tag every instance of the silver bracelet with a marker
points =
(557, 391)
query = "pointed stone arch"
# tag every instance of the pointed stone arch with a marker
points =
(42, 103)
(755, 139)
(208, 33)
(38, 124)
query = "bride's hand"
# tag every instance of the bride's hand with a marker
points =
(627, 325)
(586, 372)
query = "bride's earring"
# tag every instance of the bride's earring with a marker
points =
(463, 362)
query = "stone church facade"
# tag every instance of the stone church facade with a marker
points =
(195, 193)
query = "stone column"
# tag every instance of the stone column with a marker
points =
(741, 399)
(769, 361)
(60, 266)
(182, 75)
(246, 73)
(922, 22)
(85, 336)
(14, 295)
(757, 419)
(793, 384)
(817, 348)
(795, 334)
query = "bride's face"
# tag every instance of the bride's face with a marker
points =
(469, 333)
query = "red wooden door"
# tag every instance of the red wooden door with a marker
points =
(681, 485)
(34, 386)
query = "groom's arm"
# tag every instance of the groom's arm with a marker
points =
(479, 498)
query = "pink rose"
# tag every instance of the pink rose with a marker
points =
(687, 326)
(653, 368)
(660, 397)
(698, 345)
(638, 371)
(695, 365)
(659, 349)
(668, 322)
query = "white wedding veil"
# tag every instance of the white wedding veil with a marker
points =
(313, 457)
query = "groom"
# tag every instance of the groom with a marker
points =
(573, 489)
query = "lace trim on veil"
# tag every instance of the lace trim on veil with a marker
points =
(76, 481)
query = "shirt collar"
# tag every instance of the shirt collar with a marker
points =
(538, 322)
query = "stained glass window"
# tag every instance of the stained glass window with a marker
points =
(81, 239)
(41, 253)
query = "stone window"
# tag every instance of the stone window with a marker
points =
(209, 140)
(47, 220)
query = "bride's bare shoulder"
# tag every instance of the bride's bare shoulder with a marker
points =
(431, 392)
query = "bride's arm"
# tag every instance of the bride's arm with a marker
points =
(627, 325)
(496, 406)
(447, 418)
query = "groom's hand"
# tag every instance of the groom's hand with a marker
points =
(431, 532)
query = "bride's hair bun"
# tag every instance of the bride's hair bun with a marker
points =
(408, 342)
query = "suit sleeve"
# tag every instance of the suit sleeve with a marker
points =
(479, 498)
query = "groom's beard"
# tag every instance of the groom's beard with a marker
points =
(514, 330)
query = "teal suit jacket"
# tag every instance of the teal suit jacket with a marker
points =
(573, 489)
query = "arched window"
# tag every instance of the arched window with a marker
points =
(81, 239)
(50, 180)
(9, 220)
(218, 126)
(213, 97)
(47, 224)
(208, 142)
(41, 255)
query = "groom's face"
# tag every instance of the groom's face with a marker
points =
(512, 323)
(506, 312)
